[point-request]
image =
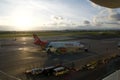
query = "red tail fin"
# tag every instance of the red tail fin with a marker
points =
(38, 41)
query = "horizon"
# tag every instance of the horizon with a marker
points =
(60, 30)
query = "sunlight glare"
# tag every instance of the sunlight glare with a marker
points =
(22, 20)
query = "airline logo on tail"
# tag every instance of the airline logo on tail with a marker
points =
(37, 41)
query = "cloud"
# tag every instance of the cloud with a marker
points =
(86, 22)
(107, 16)
(116, 23)
(63, 21)
(57, 17)
(9, 28)
(101, 16)
(115, 17)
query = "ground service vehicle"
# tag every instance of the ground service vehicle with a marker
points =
(47, 71)
(60, 71)
(34, 71)
(91, 65)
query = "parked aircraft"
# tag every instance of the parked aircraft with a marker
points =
(59, 46)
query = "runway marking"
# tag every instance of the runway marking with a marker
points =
(13, 77)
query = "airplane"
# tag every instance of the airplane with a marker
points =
(59, 46)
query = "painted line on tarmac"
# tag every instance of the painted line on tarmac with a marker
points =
(13, 77)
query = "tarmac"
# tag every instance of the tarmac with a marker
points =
(21, 54)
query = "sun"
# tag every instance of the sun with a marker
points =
(22, 20)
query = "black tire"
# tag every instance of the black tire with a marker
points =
(49, 51)
(58, 51)
(86, 49)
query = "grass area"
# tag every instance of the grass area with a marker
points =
(56, 33)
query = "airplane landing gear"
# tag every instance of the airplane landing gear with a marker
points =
(86, 49)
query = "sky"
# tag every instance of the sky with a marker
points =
(25, 15)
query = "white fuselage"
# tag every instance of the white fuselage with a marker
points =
(65, 44)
